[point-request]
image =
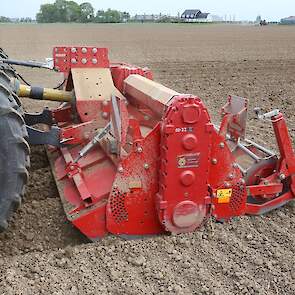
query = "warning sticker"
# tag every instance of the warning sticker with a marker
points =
(188, 161)
(224, 195)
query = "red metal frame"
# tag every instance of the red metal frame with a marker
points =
(171, 168)
(65, 58)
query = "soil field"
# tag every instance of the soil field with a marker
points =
(42, 253)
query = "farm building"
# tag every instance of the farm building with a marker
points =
(147, 17)
(288, 20)
(196, 15)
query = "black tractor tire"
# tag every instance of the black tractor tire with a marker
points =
(14, 152)
(6, 68)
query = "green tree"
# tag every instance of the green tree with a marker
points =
(47, 14)
(69, 11)
(87, 12)
(4, 19)
(60, 7)
(100, 17)
(109, 16)
(72, 12)
(113, 16)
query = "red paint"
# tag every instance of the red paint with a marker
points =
(171, 164)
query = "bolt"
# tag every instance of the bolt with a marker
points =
(221, 145)
(105, 115)
(214, 161)
(84, 61)
(120, 169)
(146, 166)
(266, 182)
(84, 50)
(282, 176)
(146, 118)
(231, 176)
(226, 184)
(105, 103)
(139, 149)
(94, 50)
(74, 61)
(235, 165)
(72, 168)
(94, 61)
(242, 181)
(74, 50)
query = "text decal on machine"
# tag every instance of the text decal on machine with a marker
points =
(188, 161)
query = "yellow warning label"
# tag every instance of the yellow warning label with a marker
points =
(224, 195)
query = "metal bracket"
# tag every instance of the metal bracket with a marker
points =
(38, 137)
(44, 117)
(266, 116)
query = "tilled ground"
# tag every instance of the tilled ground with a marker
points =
(42, 253)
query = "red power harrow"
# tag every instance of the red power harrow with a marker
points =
(136, 158)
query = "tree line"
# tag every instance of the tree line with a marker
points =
(64, 11)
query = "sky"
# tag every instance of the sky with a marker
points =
(271, 10)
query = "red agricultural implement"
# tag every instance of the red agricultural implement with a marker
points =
(131, 157)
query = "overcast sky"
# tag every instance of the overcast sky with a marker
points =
(242, 9)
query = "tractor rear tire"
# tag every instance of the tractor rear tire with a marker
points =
(14, 152)
(6, 68)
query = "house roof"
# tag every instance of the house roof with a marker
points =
(192, 11)
(203, 15)
(289, 18)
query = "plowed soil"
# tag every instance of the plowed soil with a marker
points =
(42, 253)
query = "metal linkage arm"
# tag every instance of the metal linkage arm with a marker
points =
(31, 64)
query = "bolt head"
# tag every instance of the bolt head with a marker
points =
(139, 149)
(120, 169)
(94, 50)
(221, 145)
(146, 166)
(235, 165)
(282, 176)
(94, 61)
(226, 184)
(84, 50)
(214, 161)
(73, 61)
(84, 61)
(231, 176)
(73, 50)
(105, 115)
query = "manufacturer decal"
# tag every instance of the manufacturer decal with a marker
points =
(188, 161)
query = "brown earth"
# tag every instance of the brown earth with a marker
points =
(42, 253)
